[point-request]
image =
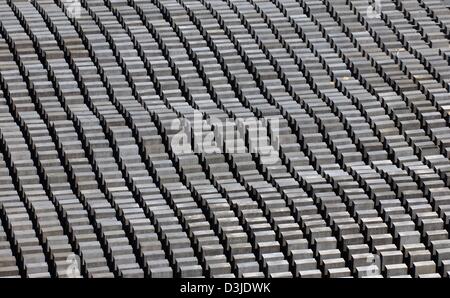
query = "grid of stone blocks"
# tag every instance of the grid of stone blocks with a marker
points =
(315, 138)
